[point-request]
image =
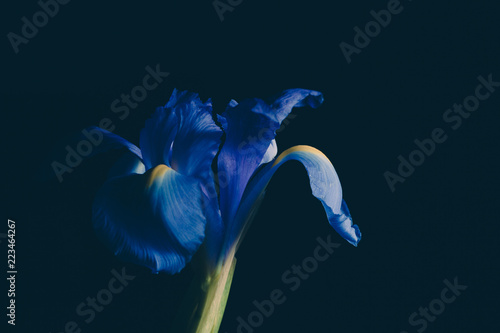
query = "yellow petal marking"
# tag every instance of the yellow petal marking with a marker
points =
(300, 148)
(158, 171)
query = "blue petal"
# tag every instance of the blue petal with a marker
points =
(182, 135)
(325, 186)
(99, 141)
(242, 151)
(102, 141)
(292, 98)
(250, 130)
(198, 138)
(157, 137)
(155, 219)
(270, 154)
(126, 165)
(109, 141)
(214, 230)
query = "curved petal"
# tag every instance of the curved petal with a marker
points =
(250, 130)
(182, 135)
(89, 142)
(242, 151)
(100, 141)
(325, 186)
(157, 137)
(293, 98)
(198, 137)
(104, 141)
(270, 154)
(126, 165)
(155, 219)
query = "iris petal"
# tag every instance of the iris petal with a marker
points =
(198, 137)
(155, 219)
(127, 164)
(182, 135)
(214, 230)
(270, 154)
(157, 137)
(325, 186)
(104, 141)
(94, 141)
(292, 98)
(250, 130)
(242, 151)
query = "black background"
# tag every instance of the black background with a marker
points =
(441, 223)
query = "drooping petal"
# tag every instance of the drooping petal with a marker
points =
(325, 186)
(155, 219)
(250, 130)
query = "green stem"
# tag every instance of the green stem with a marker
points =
(205, 302)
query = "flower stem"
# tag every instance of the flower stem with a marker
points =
(205, 302)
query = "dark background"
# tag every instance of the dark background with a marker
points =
(441, 223)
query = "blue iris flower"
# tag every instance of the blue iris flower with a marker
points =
(196, 181)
